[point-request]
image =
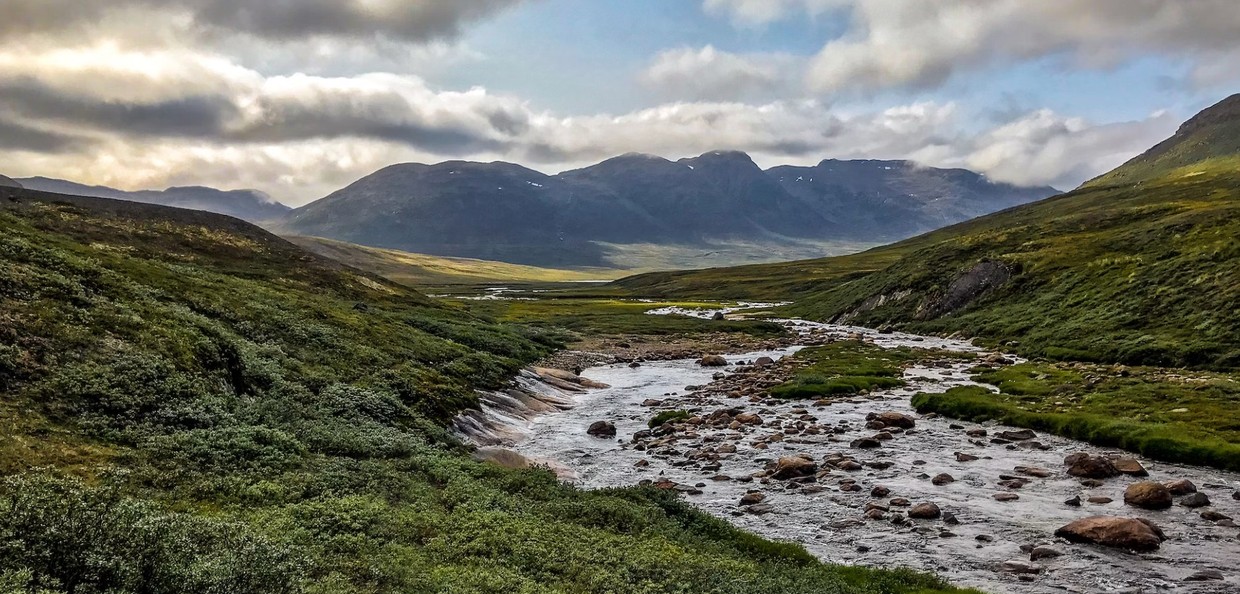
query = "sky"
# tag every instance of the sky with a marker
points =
(298, 98)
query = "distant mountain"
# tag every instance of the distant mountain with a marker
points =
(500, 211)
(1212, 135)
(249, 205)
(8, 182)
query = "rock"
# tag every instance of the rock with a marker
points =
(1130, 467)
(634, 365)
(713, 361)
(925, 511)
(976, 433)
(1087, 466)
(1236, 495)
(602, 429)
(962, 457)
(1074, 502)
(895, 419)
(900, 502)
(760, 509)
(1213, 516)
(1019, 435)
(1039, 553)
(1148, 495)
(1033, 471)
(880, 491)
(865, 443)
(1006, 496)
(1195, 500)
(1098, 500)
(718, 317)
(1019, 567)
(748, 419)
(1124, 533)
(1181, 487)
(1206, 575)
(875, 514)
(752, 498)
(793, 467)
(942, 479)
(763, 361)
(950, 518)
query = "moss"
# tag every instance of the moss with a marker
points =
(668, 416)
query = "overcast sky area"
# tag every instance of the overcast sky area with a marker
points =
(299, 98)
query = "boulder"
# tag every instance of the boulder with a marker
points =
(880, 491)
(1040, 553)
(895, 419)
(1019, 567)
(865, 443)
(763, 361)
(1018, 435)
(602, 429)
(1148, 495)
(963, 457)
(1124, 533)
(713, 361)
(1195, 500)
(1130, 467)
(1206, 575)
(718, 317)
(942, 479)
(925, 511)
(792, 467)
(1084, 465)
(1074, 502)
(752, 498)
(1181, 487)
(1006, 496)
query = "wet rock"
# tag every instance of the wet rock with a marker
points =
(962, 457)
(753, 498)
(1006, 496)
(642, 463)
(942, 479)
(1074, 502)
(1148, 495)
(1099, 500)
(896, 419)
(1084, 465)
(1236, 495)
(1195, 500)
(865, 443)
(748, 419)
(1040, 553)
(900, 502)
(713, 361)
(976, 433)
(760, 509)
(1213, 516)
(880, 491)
(1033, 471)
(1130, 467)
(1206, 575)
(1019, 435)
(1020, 567)
(763, 361)
(792, 467)
(1181, 487)
(634, 365)
(1125, 533)
(925, 511)
(718, 317)
(876, 514)
(602, 429)
(950, 518)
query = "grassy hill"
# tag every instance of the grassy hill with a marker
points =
(423, 269)
(190, 404)
(1140, 273)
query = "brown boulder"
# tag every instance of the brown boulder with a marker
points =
(713, 361)
(895, 419)
(925, 511)
(1148, 495)
(602, 429)
(1124, 533)
(1084, 465)
(793, 467)
(1181, 487)
(1130, 467)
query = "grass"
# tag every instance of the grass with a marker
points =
(1174, 416)
(422, 269)
(192, 405)
(1143, 275)
(848, 367)
(668, 416)
(603, 315)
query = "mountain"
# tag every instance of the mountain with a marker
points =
(1211, 136)
(7, 182)
(505, 212)
(1115, 271)
(249, 205)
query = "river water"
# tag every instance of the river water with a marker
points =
(830, 522)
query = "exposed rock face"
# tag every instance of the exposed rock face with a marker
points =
(966, 288)
(1084, 465)
(602, 429)
(1148, 495)
(1124, 533)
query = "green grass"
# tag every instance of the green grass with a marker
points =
(848, 367)
(193, 405)
(1183, 417)
(1144, 275)
(668, 416)
(602, 315)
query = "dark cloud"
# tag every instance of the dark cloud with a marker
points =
(408, 20)
(19, 137)
(189, 116)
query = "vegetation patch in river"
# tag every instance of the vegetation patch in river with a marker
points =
(849, 367)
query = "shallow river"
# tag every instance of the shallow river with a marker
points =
(830, 523)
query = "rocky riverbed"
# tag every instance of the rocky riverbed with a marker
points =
(866, 480)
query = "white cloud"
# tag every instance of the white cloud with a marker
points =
(712, 74)
(762, 12)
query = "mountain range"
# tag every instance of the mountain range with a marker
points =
(506, 212)
(1138, 266)
(250, 205)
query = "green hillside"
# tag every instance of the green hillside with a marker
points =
(190, 404)
(1143, 273)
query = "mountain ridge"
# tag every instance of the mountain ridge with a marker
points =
(249, 205)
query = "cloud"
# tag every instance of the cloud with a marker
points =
(408, 20)
(711, 74)
(763, 12)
